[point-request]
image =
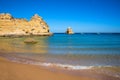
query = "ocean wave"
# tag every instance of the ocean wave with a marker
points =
(46, 64)
(102, 69)
(66, 66)
(60, 65)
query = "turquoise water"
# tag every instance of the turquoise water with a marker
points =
(76, 49)
(85, 49)
(97, 52)
(84, 44)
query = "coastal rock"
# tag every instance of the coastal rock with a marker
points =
(69, 30)
(10, 26)
(30, 41)
(6, 16)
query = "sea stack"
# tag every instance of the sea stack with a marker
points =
(10, 26)
(69, 30)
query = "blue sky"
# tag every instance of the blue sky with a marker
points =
(81, 15)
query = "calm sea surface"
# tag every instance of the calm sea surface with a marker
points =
(99, 52)
(76, 50)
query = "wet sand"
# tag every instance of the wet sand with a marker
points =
(16, 71)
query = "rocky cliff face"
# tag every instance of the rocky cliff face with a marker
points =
(13, 26)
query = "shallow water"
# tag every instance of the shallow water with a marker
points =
(77, 51)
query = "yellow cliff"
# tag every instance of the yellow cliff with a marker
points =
(10, 26)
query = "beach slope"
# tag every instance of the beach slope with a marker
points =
(16, 71)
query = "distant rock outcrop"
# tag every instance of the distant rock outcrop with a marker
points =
(10, 26)
(69, 30)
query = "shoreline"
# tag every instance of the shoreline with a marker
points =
(17, 71)
(37, 72)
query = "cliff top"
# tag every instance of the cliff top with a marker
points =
(7, 16)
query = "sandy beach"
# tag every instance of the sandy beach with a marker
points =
(16, 71)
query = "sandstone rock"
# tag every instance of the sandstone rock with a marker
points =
(30, 41)
(14, 26)
(69, 30)
(6, 16)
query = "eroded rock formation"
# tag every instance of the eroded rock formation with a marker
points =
(19, 27)
(69, 30)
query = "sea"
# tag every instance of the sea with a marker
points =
(79, 51)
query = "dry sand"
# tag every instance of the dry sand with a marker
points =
(16, 71)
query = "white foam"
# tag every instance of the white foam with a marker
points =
(66, 66)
